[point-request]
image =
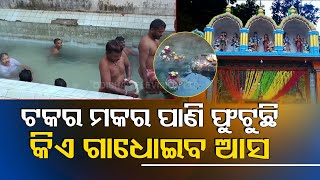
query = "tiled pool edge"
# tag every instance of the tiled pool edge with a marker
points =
(13, 89)
(128, 21)
(92, 28)
(155, 7)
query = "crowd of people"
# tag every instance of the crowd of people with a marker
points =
(115, 68)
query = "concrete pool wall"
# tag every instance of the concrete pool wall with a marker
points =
(154, 7)
(88, 28)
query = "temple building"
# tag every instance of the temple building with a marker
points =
(263, 61)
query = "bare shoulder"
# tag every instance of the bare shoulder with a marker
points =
(143, 40)
(103, 62)
(125, 53)
(144, 43)
(54, 50)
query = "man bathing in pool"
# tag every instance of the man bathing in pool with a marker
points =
(113, 68)
(10, 67)
(57, 46)
(126, 50)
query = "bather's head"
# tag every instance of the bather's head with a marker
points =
(5, 59)
(157, 28)
(25, 75)
(60, 82)
(121, 40)
(113, 50)
(57, 43)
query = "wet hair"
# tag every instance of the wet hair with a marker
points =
(113, 46)
(2, 54)
(119, 38)
(60, 82)
(157, 23)
(25, 75)
(56, 40)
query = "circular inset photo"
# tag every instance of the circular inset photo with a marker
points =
(185, 64)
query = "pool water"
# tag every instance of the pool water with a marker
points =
(78, 65)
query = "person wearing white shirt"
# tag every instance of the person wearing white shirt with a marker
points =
(9, 67)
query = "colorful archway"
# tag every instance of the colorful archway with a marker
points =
(296, 17)
(226, 15)
(261, 17)
(224, 25)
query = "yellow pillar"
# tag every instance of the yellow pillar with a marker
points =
(311, 41)
(208, 34)
(278, 41)
(210, 37)
(242, 38)
(314, 42)
(246, 39)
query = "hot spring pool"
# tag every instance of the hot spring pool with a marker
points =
(78, 65)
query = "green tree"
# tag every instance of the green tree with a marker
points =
(197, 14)
(245, 11)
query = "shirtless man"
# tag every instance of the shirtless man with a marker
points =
(113, 68)
(147, 49)
(57, 46)
(125, 57)
(127, 51)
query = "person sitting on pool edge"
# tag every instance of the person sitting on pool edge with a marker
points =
(25, 75)
(127, 51)
(57, 46)
(60, 82)
(113, 68)
(9, 67)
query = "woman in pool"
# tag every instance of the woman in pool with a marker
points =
(9, 67)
